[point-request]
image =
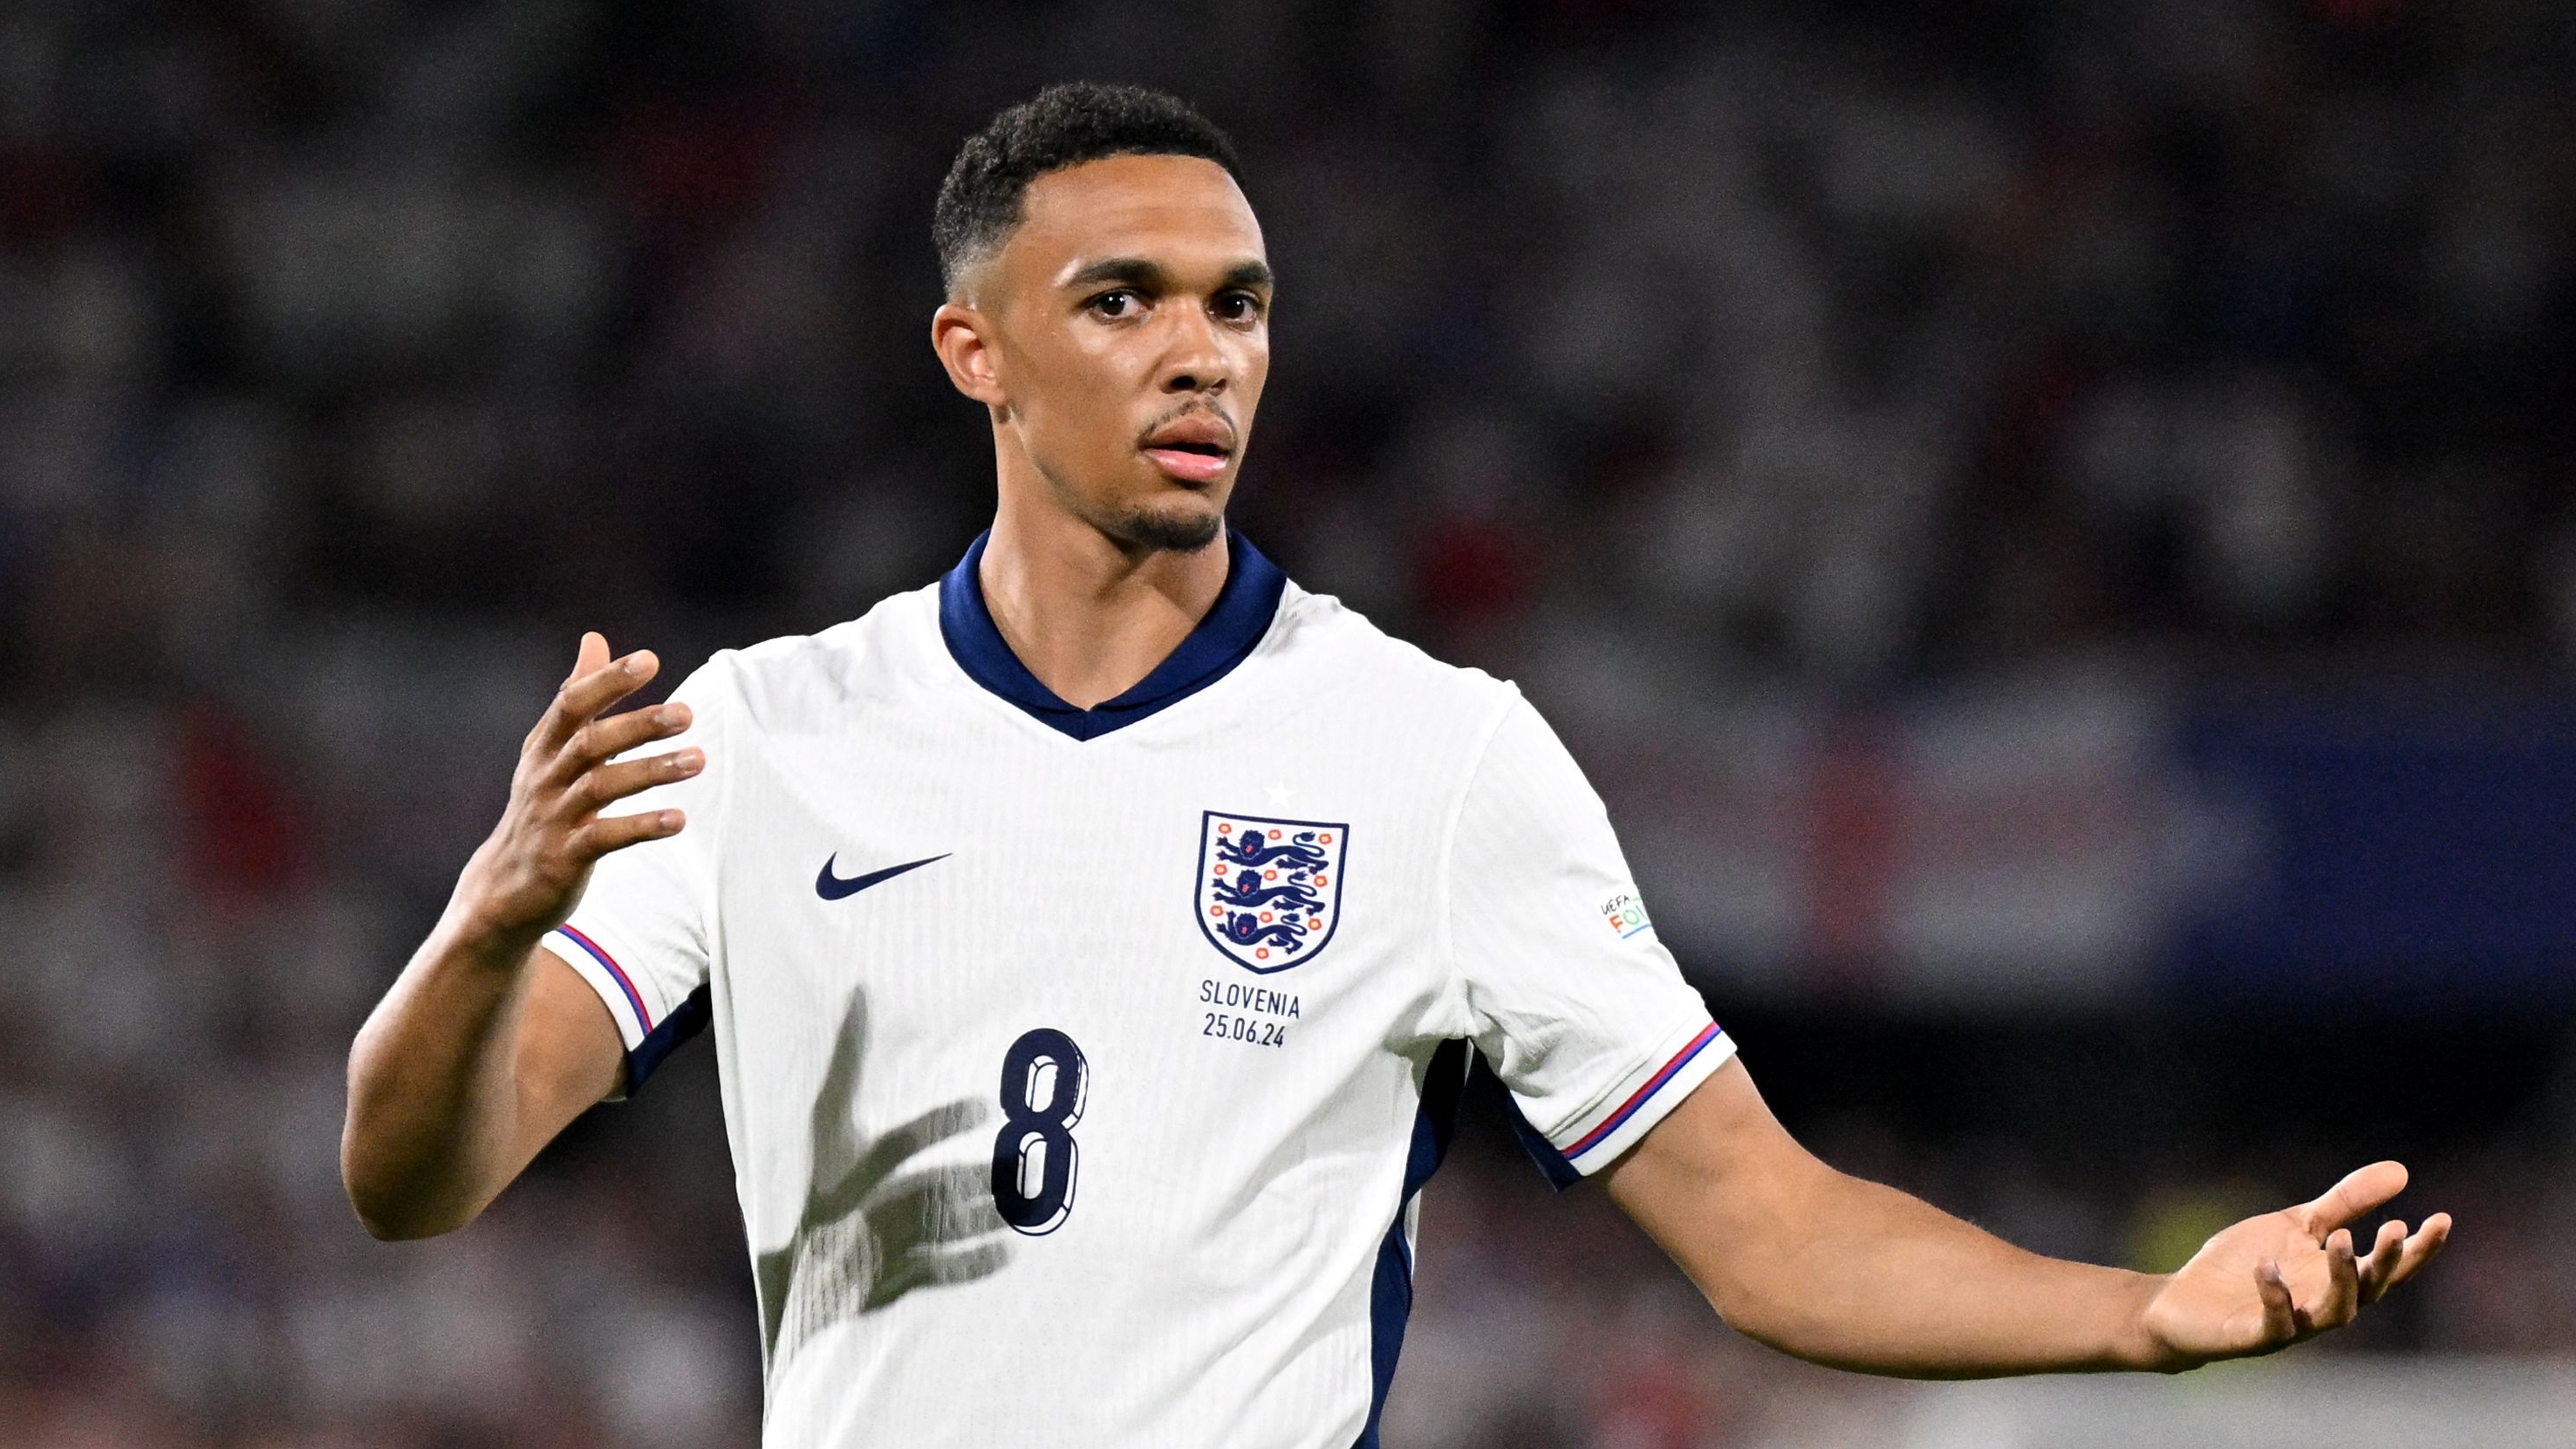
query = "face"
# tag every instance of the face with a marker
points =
(1121, 336)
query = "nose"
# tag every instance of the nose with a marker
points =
(1197, 359)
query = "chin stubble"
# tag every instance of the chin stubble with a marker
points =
(1145, 528)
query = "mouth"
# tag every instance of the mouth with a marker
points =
(1194, 448)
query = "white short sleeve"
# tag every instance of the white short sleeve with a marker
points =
(641, 936)
(1577, 1005)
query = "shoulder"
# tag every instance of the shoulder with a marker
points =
(1343, 652)
(794, 678)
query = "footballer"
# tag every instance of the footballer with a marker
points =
(1095, 941)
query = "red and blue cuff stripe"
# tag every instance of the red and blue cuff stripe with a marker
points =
(634, 998)
(1611, 1124)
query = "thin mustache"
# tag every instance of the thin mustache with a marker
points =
(1232, 433)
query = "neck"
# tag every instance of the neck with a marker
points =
(1091, 616)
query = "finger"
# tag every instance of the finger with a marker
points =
(616, 832)
(605, 785)
(2358, 1193)
(2280, 1316)
(606, 739)
(2428, 1240)
(591, 657)
(582, 697)
(2374, 1270)
(2342, 1298)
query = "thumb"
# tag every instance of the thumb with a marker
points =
(592, 657)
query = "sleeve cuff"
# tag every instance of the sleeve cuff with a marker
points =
(597, 965)
(1595, 1140)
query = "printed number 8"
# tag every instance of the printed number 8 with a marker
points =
(1034, 1156)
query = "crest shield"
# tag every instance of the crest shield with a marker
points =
(1269, 891)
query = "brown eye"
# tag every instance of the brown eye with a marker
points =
(1239, 307)
(1114, 305)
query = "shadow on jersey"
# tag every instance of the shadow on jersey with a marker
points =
(872, 1231)
(1269, 891)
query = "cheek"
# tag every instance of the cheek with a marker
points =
(1068, 387)
(1083, 417)
(1254, 369)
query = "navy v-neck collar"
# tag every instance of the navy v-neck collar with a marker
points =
(1225, 638)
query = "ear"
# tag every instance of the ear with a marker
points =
(961, 335)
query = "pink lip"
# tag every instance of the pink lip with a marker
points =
(1191, 467)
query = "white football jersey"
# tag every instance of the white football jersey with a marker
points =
(1081, 1066)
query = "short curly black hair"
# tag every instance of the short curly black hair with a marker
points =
(1063, 125)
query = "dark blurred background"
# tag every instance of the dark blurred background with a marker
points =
(2053, 526)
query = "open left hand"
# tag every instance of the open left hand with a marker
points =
(2271, 1281)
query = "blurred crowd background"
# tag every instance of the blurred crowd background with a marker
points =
(2053, 526)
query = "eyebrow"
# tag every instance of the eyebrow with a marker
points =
(1141, 272)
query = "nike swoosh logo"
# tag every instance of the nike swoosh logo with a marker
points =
(832, 888)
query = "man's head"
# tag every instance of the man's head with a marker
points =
(1108, 302)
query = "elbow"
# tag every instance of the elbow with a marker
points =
(379, 1210)
(385, 1228)
(383, 1218)
(399, 1232)
(394, 1217)
(385, 1193)
(1742, 1311)
(1772, 1312)
(1783, 1329)
(390, 1207)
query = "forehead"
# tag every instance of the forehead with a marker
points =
(1177, 210)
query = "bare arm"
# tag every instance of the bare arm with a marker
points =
(488, 1045)
(1852, 1274)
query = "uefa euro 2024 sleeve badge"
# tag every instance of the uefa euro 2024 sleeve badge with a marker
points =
(1270, 891)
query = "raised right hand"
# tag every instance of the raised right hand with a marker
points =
(526, 879)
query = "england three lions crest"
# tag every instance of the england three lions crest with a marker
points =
(1270, 891)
